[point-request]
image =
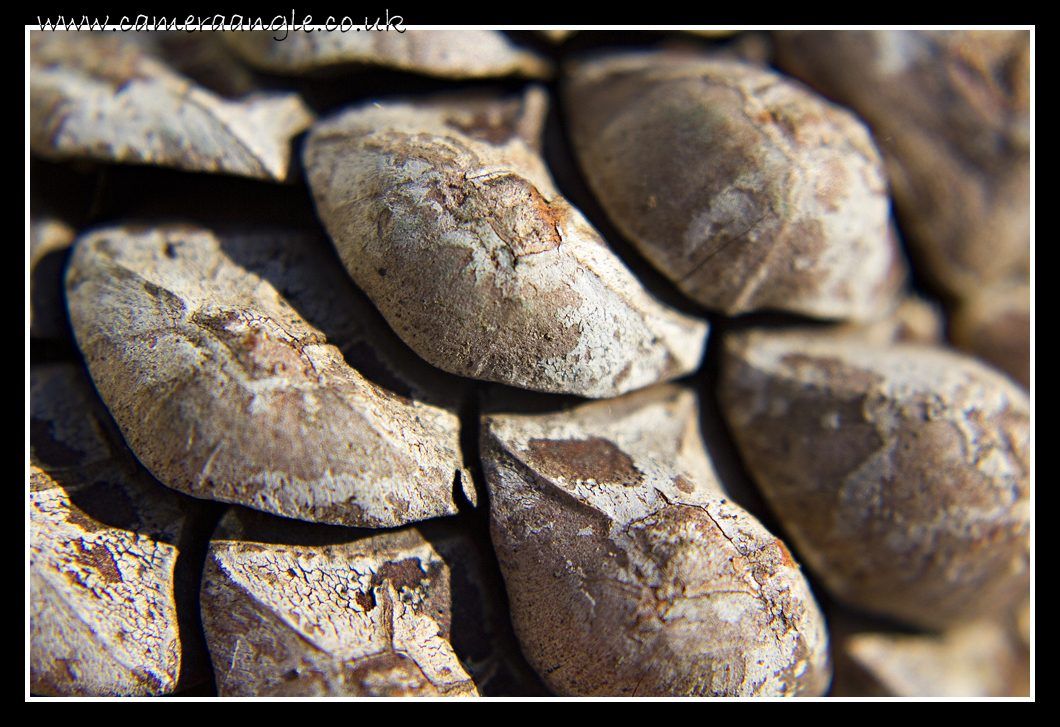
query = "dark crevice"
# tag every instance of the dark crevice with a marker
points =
(481, 632)
(196, 676)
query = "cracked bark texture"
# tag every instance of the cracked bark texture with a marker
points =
(456, 54)
(901, 473)
(744, 188)
(628, 570)
(361, 616)
(109, 97)
(225, 392)
(445, 215)
(104, 543)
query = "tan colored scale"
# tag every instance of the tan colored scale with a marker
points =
(225, 392)
(108, 603)
(744, 188)
(901, 472)
(364, 616)
(629, 571)
(110, 97)
(445, 215)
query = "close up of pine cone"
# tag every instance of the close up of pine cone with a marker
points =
(530, 364)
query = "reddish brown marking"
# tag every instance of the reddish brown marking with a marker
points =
(520, 215)
(786, 558)
(624, 373)
(151, 683)
(496, 131)
(387, 675)
(683, 485)
(590, 459)
(78, 518)
(406, 573)
(98, 559)
(74, 579)
(365, 599)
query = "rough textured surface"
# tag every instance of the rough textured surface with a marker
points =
(225, 392)
(901, 473)
(463, 53)
(102, 618)
(744, 188)
(451, 224)
(105, 97)
(628, 571)
(305, 270)
(104, 543)
(86, 194)
(364, 616)
(951, 112)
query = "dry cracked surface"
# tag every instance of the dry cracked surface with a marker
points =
(93, 587)
(106, 537)
(395, 326)
(368, 617)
